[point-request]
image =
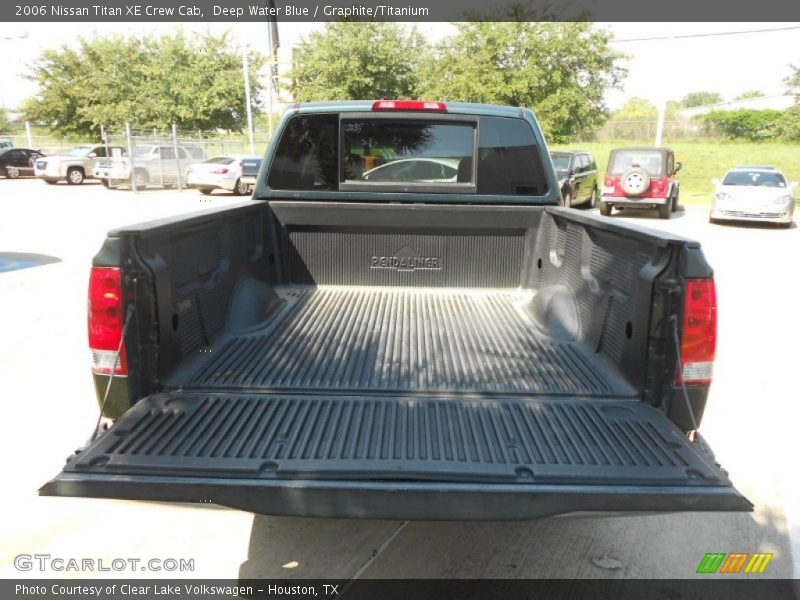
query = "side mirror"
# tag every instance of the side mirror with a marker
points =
(715, 181)
(678, 166)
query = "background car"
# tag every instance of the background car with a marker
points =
(641, 178)
(753, 193)
(6, 144)
(577, 177)
(218, 173)
(426, 170)
(18, 161)
(153, 164)
(75, 165)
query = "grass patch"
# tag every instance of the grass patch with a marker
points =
(704, 160)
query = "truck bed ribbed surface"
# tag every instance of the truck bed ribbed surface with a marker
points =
(398, 340)
(509, 439)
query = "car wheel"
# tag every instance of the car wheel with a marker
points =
(204, 191)
(605, 209)
(104, 182)
(51, 181)
(664, 210)
(141, 178)
(675, 206)
(592, 202)
(240, 189)
(12, 172)
(75, 176)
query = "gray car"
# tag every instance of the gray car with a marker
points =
(753, 193)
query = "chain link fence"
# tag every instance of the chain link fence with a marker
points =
(138, 159)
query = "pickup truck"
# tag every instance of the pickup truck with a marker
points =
(405, 346)
(250, 167)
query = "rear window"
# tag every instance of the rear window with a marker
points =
(320, 152)
(383, 151)
(649, 160)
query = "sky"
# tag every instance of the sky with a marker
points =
(658, 70)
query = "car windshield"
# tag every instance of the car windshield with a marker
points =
(78, 151)
(755, 178)
(141, 151)
(649, 160)
(561, 161)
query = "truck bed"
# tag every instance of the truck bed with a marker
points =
(410, 340)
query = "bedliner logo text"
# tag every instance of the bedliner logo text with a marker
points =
(406, 259)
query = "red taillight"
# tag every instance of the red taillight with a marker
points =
(699, 335)
(105, 321)
(220, 170)
(610, 181)
(409, 105)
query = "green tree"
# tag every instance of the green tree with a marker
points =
(700, 99)
(353, 60)
(636, 109)
(561, 70)
(749, 94)
(148, 81)
(5, 124)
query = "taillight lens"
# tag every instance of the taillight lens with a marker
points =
(105, 321)
(424, 105)
(220, 171)
(610, 181)
(699, 335)
(658, 185)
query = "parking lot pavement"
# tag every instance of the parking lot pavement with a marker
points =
(49, 410)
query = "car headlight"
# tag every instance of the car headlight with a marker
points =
(722, 196)
(785, 199)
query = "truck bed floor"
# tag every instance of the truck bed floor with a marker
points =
(400, 340)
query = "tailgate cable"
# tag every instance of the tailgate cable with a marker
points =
(685, 394)
(127, 320)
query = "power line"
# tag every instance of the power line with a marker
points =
(703, 35)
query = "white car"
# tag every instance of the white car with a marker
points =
(426, 170)
(218, 173)
(753, 193)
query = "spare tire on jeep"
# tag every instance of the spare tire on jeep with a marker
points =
(635, 182)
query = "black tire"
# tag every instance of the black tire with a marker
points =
(205, 191)
(51, 181)
(75, 176)
(605, 209)
(105, 183)
(592, 201)
(12, 172)
(665, 210)
(240, 189)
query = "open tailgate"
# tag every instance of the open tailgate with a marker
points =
(405, 457)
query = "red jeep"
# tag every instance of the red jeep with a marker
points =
(643, 178)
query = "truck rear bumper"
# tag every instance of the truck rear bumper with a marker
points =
(400, 500)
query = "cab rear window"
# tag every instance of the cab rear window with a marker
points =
(477, 155)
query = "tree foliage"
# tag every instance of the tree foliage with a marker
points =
(743, 124)
(749, 95)
(561, 70)
(352, 60)
(148, 81)
(693, 99)
(5, 124)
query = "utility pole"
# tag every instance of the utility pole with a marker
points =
(662, 102)
(273, 43)
(246, 70)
